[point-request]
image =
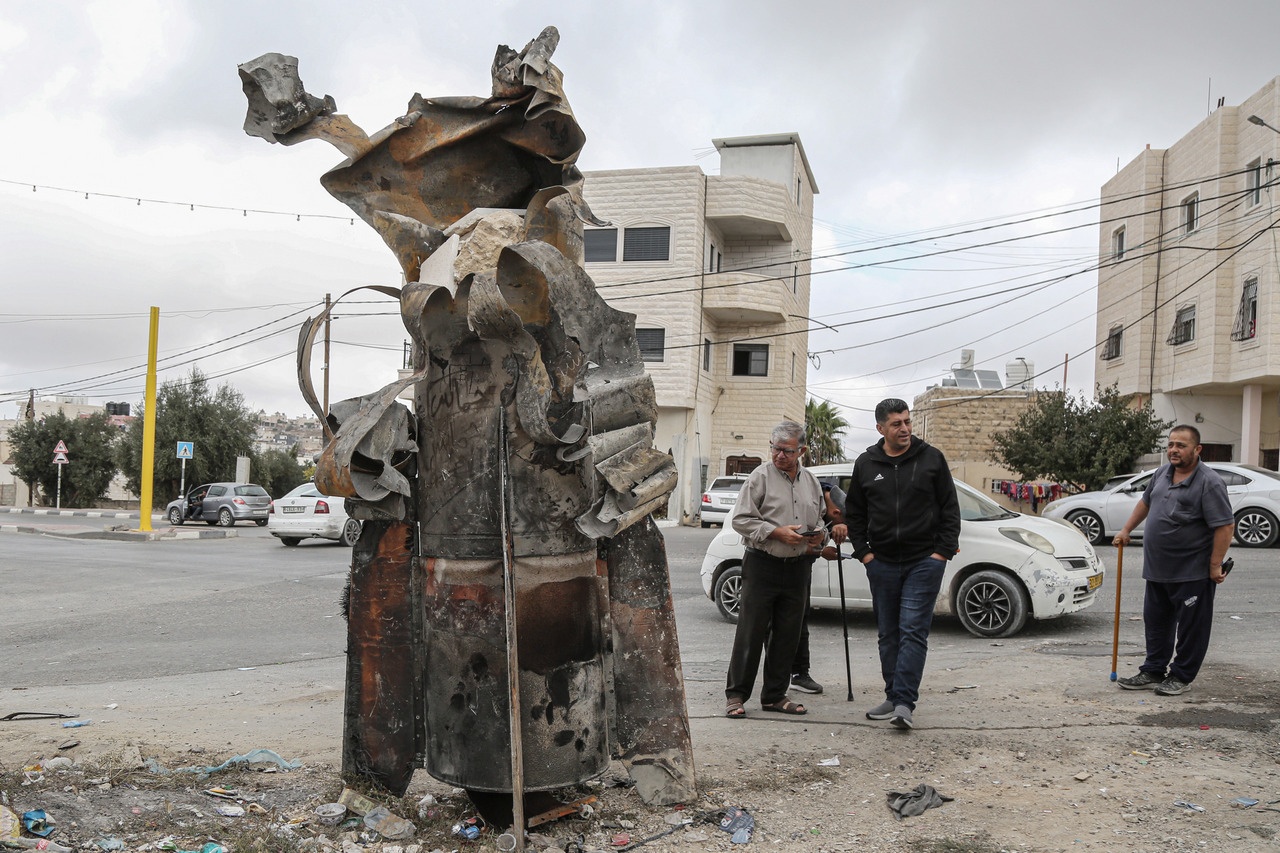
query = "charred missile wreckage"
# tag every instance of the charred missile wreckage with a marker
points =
(510, 625)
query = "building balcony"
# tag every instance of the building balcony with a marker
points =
(745, 208)
(745, 298)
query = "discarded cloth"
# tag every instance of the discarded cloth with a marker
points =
(256, 756)
(914, 803)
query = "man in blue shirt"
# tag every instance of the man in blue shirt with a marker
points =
(1189, 526)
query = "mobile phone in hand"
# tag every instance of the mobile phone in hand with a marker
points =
(1227, 565)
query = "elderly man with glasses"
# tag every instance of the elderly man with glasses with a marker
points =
(779, 516)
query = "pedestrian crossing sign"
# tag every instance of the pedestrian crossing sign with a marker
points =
(185, 449)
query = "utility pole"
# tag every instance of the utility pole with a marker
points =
(325, 426)
(149, 425)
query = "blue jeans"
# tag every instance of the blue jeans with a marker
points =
(903, 597)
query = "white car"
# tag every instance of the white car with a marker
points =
(1010, 567)
(1254, 494)
(304, 513)
(719, 498)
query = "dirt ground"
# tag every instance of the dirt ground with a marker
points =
(1039, 755)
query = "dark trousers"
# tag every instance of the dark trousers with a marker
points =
(770, 613)
(903, 597)
(800, 664)
(1178, 618)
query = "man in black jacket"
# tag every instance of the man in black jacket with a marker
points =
(904, 522)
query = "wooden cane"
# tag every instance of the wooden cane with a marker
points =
(1115, 633)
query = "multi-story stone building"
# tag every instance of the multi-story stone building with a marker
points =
(716, 270)
(1188, 314)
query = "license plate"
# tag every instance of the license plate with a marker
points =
(729, 501)
(1095, 582)
(294, 509)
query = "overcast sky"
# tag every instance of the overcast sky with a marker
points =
(920, 119)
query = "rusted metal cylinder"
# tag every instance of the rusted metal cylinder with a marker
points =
(561, 653)
(380, 737)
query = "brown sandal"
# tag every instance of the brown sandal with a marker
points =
(734, 710)
(786, 706)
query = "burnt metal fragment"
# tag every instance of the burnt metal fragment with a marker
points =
(524, 474)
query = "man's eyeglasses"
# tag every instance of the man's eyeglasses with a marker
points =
(785, 451)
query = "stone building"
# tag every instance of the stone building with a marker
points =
(960, 421)
(1187, 307)
(716, 269)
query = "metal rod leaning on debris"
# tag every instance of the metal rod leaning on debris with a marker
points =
(34, 844)
(513, 657)
(1115, 631)
(844, 620)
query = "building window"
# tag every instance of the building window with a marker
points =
(706, 355)
(750, 359)
(1184, 326)
(1253, 183)
(713, 258)
(652, 343)
(1114, 346)
(1117, 244)
(1190, 213)
(649, 243)
(1246, 325)
(600, 245)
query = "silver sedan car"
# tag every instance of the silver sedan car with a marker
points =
(1254, 493)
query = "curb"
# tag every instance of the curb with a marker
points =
(75, 513)
(121, 535)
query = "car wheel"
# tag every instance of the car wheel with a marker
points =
(175, 517)
(727, 592)
(290, 541)
(261, 522)
(225, 518)
(705, 525)
(992, 604)
(1256, 528)
(1089, 524)
(350, 532)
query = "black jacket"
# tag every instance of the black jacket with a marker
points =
(903, 508)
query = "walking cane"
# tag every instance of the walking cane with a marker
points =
(844, 619)
(1115, 634)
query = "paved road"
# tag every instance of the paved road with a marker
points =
(90, 611)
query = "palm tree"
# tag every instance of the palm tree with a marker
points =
(824, 426)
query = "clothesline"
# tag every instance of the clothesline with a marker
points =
(1037, 493)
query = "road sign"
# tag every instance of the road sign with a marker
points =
(61, 448)
(186, 450)
(60, 458)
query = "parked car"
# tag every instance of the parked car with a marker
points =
(719, 498)
(222, 504)
(1010, 568)
(1254, 493)
(306, 513)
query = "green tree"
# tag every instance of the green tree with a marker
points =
(824, 426)
(278, 471)
(1077, 441)
(218, 422)
(91, 444)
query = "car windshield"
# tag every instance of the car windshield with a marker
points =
(726, 484)
(977, 507)
(1261, 472)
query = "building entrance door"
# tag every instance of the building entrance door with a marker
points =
(741, 464)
